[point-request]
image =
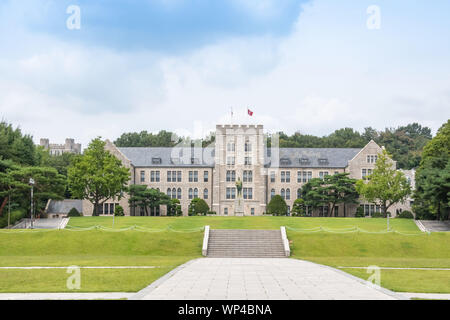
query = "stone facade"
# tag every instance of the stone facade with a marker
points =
(239, 154)
(59, 149)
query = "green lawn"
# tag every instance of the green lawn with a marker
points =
(179, 242)
(267, 222)
(425, 281)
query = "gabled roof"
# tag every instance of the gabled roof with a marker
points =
(316, 157)
(204, 157)
(169, 157)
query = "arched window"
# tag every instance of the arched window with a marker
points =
(191, 195)
(174, 193)
(283, 194)
(169, 192)
(272, 193)
(288, 194)
(205, 194)
(179, 194)
(299, 193)
(245, 176)
(195, 193)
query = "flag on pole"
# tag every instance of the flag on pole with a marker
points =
(250, 112)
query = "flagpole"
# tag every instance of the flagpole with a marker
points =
(231, 119)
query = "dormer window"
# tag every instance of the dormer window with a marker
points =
(285, 161)
(156, 161)
(195, 161)
(304, 161)
(323, 161)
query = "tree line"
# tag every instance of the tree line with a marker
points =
(404, 143)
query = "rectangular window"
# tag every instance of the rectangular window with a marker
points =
(205, 176)
(364, 173)
(299, 177)
(230, 161)
(142, 176)
(158, 177)
(252, 211)
(169, 176)
(152, 176)
(233, 193)
(309, 175)
(179, 176)
(336, 211)
(195, 176)
(225, 211)
(106, 211)
(245, 193)
(283, 176)
(228, 193)
(288, 176)
(272, 176)
(191, 176)
(250, 176)
(250, 193)
(248, 161)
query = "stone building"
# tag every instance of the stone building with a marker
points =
(240, 153)
(59, 149)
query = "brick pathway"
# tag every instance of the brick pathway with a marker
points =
(259, 278)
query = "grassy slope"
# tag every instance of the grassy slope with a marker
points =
(268, 222)
(169, 249)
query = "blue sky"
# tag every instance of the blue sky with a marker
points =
(310, 66)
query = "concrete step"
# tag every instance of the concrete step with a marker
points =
(245, 244)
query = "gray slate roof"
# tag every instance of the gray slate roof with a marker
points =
(317, 157)
(170, 157)
(204, 157)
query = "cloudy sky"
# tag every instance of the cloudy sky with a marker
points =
(300, 65)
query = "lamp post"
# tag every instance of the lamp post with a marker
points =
(31, 183)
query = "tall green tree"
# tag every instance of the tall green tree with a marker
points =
(385, 186)
(97, 175)
(315, 193)
(140, 196)
(432, 192)
(340, 189)
(16, 146)
(49, 184)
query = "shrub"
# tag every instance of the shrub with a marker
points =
(16, 215)
(198, 207)
(119, 211)
(377, 215)
(212, 212)
(74, 213)
(359, 213)
(277, 206)
(298, 209)
(406, 215)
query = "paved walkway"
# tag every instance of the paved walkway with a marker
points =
(253, 278)
(436, 226)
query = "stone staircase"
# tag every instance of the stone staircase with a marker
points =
(245, 244)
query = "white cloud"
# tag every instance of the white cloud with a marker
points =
(329, 73)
